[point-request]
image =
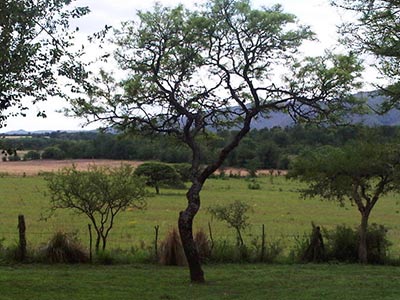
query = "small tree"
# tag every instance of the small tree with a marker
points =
(235, 215)
(358, 172)
(100, 193)
(53, 153)
(158, 174)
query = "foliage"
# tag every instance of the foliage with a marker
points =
(359, 172)
(53, 153)
(32, 155)
(183, 170)
(35, 43)
(64, 248)
(254, 185)
(374, 30)
(235, 215)
(100, 193)
(342, 244)
(159, 174)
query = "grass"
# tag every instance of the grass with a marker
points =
(276, 205)
(350, 282)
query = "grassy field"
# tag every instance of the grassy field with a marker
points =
(277, 205)
(301, 282)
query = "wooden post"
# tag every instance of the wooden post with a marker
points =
(211, 237)
(90, 243)
(22, 237)
(156, 228)
(263, 243)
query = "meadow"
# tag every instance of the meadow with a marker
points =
(276, 204)
(236, 281)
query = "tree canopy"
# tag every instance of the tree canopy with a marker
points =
(35, 43)
(376, 31)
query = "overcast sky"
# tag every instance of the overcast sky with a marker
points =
(318, 14)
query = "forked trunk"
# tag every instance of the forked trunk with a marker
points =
(185, 224)
(362, 247)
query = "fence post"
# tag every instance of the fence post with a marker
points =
(90, 243)
(263, 243)
(22, 238)
(156, 228)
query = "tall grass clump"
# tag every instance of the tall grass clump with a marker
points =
(171, 250)
(64, 248)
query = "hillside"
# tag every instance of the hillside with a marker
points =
(392, 118)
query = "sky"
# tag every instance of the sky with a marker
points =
(318, 14)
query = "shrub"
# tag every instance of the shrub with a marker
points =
(253, 185)
(378, 244)
(32, 155)
(342, 244)
(171, 251)
(53, 153)
(64, 248)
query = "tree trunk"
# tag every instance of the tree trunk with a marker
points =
(362, 247)
(185, 224)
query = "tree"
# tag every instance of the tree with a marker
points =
(53, 153)
(32, 155)
(100, 193)
(34, 43)
(216, 67)
(376, 32)
(158, 174)
(358, 172)
(235, 215)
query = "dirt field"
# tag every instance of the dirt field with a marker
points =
(34, 167)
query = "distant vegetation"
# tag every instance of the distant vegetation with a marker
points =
(261, 149)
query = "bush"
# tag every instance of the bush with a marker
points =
(64, 248)
(254, 185)
(32, 155)
(53, 153)
(342, 244)
(171, 250)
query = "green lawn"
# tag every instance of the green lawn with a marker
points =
(276, 205)
(281, 282)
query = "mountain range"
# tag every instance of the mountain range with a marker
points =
(280, 119)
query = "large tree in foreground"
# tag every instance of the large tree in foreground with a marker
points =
(358, 172)
(35, 43)
(218, 67)
(376, 31)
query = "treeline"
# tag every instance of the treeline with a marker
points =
(260, 149)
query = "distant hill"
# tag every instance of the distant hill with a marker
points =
(391, 118)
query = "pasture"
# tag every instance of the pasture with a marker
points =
(240, 281)
(276, 204)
